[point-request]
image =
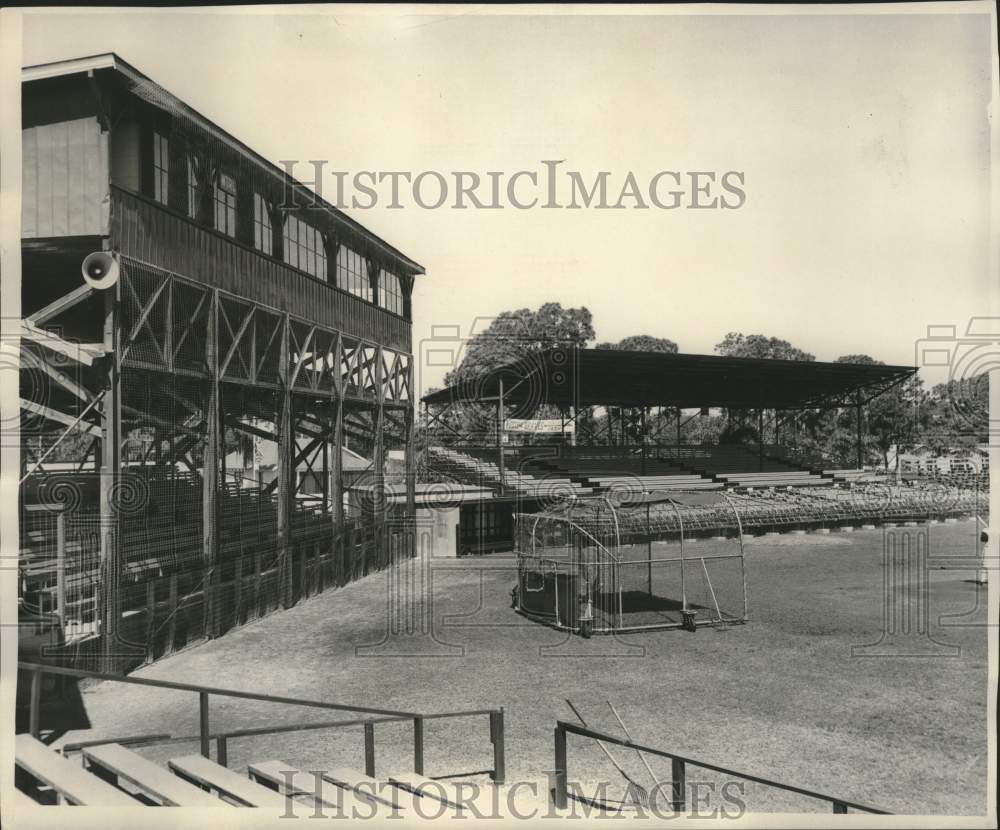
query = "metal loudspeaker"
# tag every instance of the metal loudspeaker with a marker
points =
(100, 269)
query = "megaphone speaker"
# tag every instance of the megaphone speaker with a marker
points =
(100, 269)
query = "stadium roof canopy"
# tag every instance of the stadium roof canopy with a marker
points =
(610, 377)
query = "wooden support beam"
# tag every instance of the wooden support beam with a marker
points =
(161, 422)
(143, 321)
(252, 430)
(110, 567)
(286, 450)
(28, 358)
(237, 337)
(325, 483)
(64, 303)
(336, 482)
(411, 468)
(210, 466)
(85, 353)
(378, 456)
(71, 421)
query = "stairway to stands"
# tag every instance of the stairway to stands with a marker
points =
(467, 468)
(742, 467)
(622, 473)
(732, 467)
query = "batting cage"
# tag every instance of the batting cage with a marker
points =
(650, 561)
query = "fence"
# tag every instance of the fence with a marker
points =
(168, 597)
(206, 736)
(679, 768)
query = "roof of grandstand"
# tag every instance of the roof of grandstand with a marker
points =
(611, 377)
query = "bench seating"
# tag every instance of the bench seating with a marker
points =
(364, 786)
(448, 793)
(304, 784)
(228, 784)
(71, 781)
(153, 780)
(22, 799)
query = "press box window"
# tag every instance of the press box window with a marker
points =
(352, 273)
(161, 168)
(263, 239)
(390, 292)
(304, 247)
(225, 204)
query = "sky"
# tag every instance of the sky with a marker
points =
(863, 143)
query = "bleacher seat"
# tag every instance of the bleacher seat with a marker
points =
(229, 785)
(70, 781)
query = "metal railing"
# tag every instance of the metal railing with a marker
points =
(206, 736)
(679, 765)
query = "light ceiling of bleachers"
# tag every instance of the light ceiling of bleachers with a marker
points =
(606, 377)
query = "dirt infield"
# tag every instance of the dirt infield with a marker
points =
(808, 692)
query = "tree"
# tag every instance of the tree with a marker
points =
(641, 343)
(511, 336)
(736, 344)
(515, 334)
(956, 414)
(890, 418)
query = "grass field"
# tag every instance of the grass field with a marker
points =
(781, 696)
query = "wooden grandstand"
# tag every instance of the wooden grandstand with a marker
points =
(223, 306)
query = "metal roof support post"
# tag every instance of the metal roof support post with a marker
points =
(859, 440)
(760, 440)
(642, 429)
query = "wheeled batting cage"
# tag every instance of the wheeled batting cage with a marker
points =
(651, 561)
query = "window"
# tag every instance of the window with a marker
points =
(390, 292)
(225, 204)
(192, 189)
(304, 247)
(352, 273)
(161, 168)
(262, 237)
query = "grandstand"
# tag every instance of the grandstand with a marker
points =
(185, 302)
(776, 487)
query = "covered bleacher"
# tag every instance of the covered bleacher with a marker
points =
(630, 387)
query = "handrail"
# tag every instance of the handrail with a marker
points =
(205, 736)
(193, 687)
(840, 805)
